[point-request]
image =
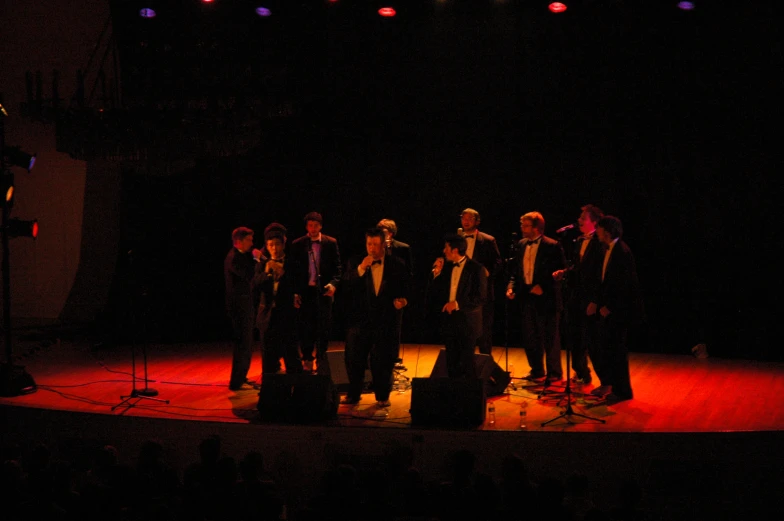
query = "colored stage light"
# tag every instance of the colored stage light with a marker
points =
(147, 13)
(387, 12)
(263, 12)
(15, 157)
(686, 6)
(19, 228)
(557, 7)
(7, 186)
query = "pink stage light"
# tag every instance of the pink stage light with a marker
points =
(263, 11)
(686, 6)
(557, 7)
(387, 12)
(147, 13)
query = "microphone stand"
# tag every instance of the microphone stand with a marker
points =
(508, 270)
(318, 311)
(567, 291)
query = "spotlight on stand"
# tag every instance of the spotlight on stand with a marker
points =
(20, 228)
(15, 157)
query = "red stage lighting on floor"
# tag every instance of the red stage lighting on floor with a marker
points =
(557, 7)
(387, 12)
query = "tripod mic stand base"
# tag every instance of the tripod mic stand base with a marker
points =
(144, 392)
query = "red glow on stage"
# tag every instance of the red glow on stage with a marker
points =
(35, 230)
(387, 12)
(557, 7)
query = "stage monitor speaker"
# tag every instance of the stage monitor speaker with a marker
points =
(337, 366)
(297, 398)
(495, 378)
(448, 402)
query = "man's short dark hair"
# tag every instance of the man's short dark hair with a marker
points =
(593, 212)
(314, 216)
(240, 233)
(611, 225)
(456, 241)
(375, 232)
(275, 231)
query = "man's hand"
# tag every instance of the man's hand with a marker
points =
(559, 275)
(510, 294)
(591, 309)
(366, 263)
(329, 290)
(537, 290)
(257, 256)
(400, 303)
(450, 306)
(604, 312)
(297, 301)
(438, 266)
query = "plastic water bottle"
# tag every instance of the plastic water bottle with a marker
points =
(524, 415)
(491, 414)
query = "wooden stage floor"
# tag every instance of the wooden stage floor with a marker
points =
(704, 438)
(673, 393)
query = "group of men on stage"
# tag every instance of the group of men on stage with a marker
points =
(287, 294)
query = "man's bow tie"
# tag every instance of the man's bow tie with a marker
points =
(531, 243)
(470, 235)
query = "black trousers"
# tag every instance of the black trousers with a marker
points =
(485, 340)
(543, 353)
(314, 326)
(280, 341)
(579, 335)
(242, 322)
(380, 344)
(614, 356)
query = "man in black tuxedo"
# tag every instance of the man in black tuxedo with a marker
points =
(482, 248)
(532, 278)
(459, 288)
(317, 259)
(581, 281)
(238, 273)
(276, 318)
(376, 289)
(619, 306)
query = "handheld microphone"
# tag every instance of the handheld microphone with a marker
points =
(565, 228)
(460, 232)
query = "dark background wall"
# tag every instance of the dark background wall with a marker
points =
(659, 116)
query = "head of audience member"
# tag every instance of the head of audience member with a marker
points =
(531, 225)
(374, 243)
(589, 216)
(313, 223)
(242, 238)
(469, 219)
(608, 229)
(454, 247)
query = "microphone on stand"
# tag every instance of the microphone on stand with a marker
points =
(565, 228)
(460, 232)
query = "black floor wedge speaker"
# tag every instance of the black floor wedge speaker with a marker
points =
(297, 398)
(495, 378)
(337, 366)
(447, 402)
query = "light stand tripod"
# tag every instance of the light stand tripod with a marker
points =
(566, 318)
(146, 393)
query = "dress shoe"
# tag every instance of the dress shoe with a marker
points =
(383, 403)
(602, 391)
(348, 400)
(531, 377)
(579, 380)
(613, 398)
(307, 366)
(244, 387)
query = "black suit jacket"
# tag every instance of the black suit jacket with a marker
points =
(264, 294)
(238, 273)
(549, 258)
(329, 263)
(584, 275)
(471, 293)
(366, 309)
(620, 289)
(403, 252)
(487, 254)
